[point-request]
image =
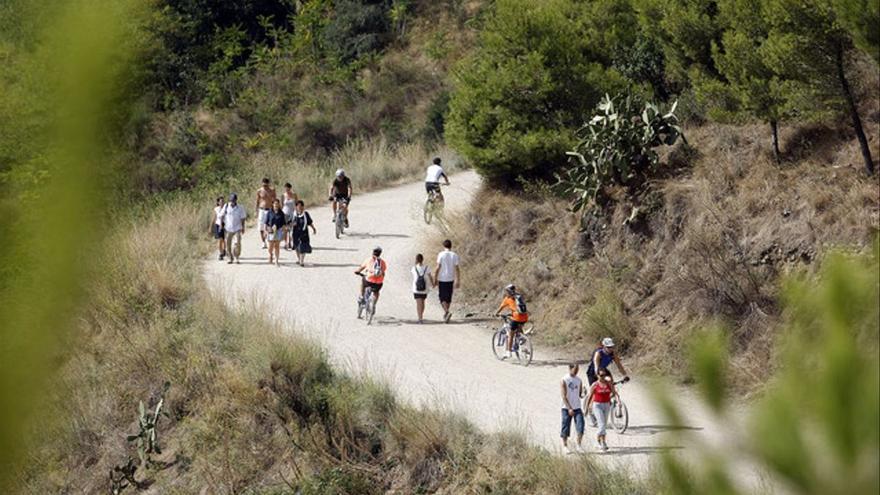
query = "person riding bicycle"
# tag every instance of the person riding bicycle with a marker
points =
(601, 358)
(432, 178)
(340, 189)
(519, 315)
(374, 269)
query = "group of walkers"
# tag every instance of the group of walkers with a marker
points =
(284, 221)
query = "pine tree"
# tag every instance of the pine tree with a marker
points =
(861, 18)
(807, 46)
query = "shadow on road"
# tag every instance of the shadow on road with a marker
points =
(654, 429)
(331, 265)
(561, 361)
(317, 248)
(623, 451)
(368, 235)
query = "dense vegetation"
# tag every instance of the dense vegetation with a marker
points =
(169, 101)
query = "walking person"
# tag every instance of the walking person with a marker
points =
(421, 279)
(288, 205)
(599, 397)
(572, 389)
(233, 215)
(217, 228)
(265, 197)
(299, 232)
(276, 222)
(447, 276)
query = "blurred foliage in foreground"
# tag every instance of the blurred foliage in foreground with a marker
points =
(63, 83)
(817, 428)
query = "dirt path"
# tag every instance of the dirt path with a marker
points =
(439, 365)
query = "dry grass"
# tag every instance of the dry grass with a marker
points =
(371, 164)
(250, 409)
(708, 245)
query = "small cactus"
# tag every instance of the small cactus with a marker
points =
(147, 436)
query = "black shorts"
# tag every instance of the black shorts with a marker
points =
(432, 186)
(515, 326)
(342, 197)
(374, 286)
(420, 296)
(219, 233)
(445, 291)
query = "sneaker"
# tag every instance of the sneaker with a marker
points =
(229, 262)
(264, 245)
(346, 223)
(604, 446)
(278, 263)
(237, 262)
(333, 219)
(447, 317)
(579, 449)
(220, 258)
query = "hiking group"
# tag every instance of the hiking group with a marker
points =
(284, 221)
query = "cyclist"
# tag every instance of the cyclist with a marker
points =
(340, 189)
(432, 178)
(515, 302)
(375, 268)
(601, 358)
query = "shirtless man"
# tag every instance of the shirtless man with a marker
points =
(265, 198)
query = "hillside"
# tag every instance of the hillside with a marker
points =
(744, 253)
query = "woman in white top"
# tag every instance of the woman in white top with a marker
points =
(421, 275)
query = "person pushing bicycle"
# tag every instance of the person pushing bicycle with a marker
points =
(519, 314)
(601, 359)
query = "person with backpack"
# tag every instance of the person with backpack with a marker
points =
(421, 279)
(374, 270)
(519, 313)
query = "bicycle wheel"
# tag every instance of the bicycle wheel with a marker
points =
(429, 210)
(371, 310)
(524, 351)
(499, 343)
(360, 310)
(619, 417)
(340, 223)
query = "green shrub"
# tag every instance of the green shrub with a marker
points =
(524, 90)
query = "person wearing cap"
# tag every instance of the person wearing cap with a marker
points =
(601, 358)
(265, 197)
(374, 268)
(340, 189)
(233, 215)
(513, 301)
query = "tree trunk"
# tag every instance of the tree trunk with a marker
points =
(774, 129)
(854, 112)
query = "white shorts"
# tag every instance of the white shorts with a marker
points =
(261, 218)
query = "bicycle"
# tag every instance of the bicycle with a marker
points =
(619, 416)
(367, 303)
(434, 205)
(341, 216)
(522, 344)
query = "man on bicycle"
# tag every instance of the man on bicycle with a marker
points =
(519, 315)
(432, 178)
(601, 358)
(374, 269)
(340, 189)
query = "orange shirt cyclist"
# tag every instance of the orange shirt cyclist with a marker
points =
(374, 268)
(518, 316)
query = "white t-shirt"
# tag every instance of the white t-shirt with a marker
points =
(434, 173)
(218, 219)
(447, 261)
(416, 270)
(233, 217)
(573, 390)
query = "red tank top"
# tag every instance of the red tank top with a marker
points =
(602, 392)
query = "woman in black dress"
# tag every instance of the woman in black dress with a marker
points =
(300, 223)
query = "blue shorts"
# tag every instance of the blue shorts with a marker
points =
(578, 418)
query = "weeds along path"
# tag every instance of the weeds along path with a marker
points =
(440, 366)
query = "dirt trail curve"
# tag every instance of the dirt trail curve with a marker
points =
(438, 365)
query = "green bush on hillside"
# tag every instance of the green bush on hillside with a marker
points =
(524, 90)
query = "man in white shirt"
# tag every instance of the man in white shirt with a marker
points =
(572, 390)
(233, 216)
(433, 176)
(447, 276)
